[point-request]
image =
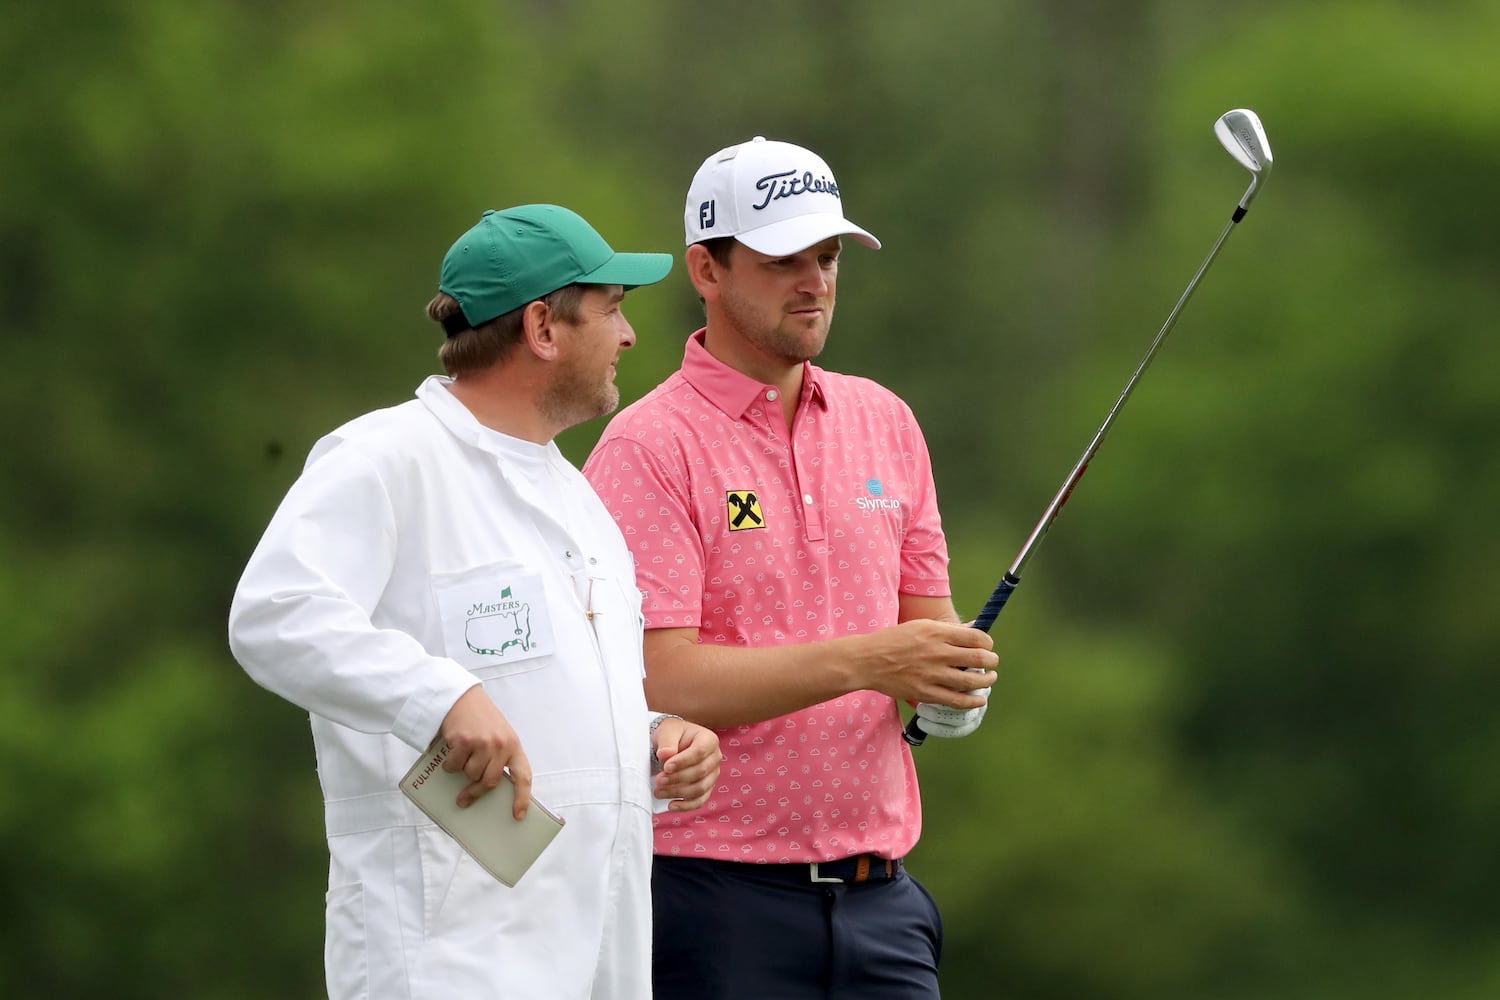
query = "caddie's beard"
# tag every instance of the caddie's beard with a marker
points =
(777, 334)
(576, 395)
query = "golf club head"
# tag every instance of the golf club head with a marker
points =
(1241, 132)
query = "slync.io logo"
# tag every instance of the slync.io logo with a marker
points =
(877, 500)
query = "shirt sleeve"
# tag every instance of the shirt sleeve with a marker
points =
(301, 620)
(649, 500)
(924, 549)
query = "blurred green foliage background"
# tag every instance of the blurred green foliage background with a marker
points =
(1241, 746)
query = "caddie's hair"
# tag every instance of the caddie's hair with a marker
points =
(476, 348)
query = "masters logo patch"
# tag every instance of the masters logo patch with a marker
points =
(744, 510)
(491, 628)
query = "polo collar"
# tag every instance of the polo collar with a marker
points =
(733, 391)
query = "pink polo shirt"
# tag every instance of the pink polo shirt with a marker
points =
(760, 536)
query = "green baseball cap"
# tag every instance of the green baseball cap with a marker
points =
(519, 255)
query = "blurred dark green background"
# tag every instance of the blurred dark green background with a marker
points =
(1242, 744)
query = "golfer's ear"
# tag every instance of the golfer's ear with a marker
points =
(703, 271)
(537, 330)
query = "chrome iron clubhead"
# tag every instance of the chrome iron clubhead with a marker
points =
(1241, 132)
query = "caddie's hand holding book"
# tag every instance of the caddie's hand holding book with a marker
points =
(503, 846)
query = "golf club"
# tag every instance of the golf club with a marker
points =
(1240, 132)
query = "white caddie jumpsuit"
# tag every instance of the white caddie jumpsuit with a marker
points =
(415, 556)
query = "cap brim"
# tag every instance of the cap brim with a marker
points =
(791, 236)
(630, 269)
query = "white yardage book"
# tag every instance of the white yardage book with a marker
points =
(503, 847)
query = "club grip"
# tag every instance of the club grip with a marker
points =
(996, 603)
(992, 608)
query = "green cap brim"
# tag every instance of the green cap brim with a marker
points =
(629, 269)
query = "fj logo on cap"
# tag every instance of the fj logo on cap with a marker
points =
(706, 215)
(744, 510)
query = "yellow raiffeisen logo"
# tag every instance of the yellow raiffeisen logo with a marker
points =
(744, 510)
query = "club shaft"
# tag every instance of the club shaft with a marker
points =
(1013, 576)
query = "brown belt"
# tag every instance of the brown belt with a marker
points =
(853, 869)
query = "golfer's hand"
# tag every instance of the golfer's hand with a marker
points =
(925, 660)
(689, 757)
(484, 747)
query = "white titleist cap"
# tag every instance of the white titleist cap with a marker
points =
(774, 197)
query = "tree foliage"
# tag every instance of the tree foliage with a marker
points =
(1239, 747)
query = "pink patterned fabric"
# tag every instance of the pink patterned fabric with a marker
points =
(760, 537)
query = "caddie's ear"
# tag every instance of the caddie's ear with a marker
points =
(704, 272)
(538, 332)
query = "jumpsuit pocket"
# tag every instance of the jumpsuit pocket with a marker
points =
(441, 858)
(344, 955)
(496, 618)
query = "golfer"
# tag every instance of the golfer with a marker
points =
(786, 536)
(440, 570)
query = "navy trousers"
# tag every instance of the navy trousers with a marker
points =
(731, 931)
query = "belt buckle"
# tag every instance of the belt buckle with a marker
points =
(815, 876)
